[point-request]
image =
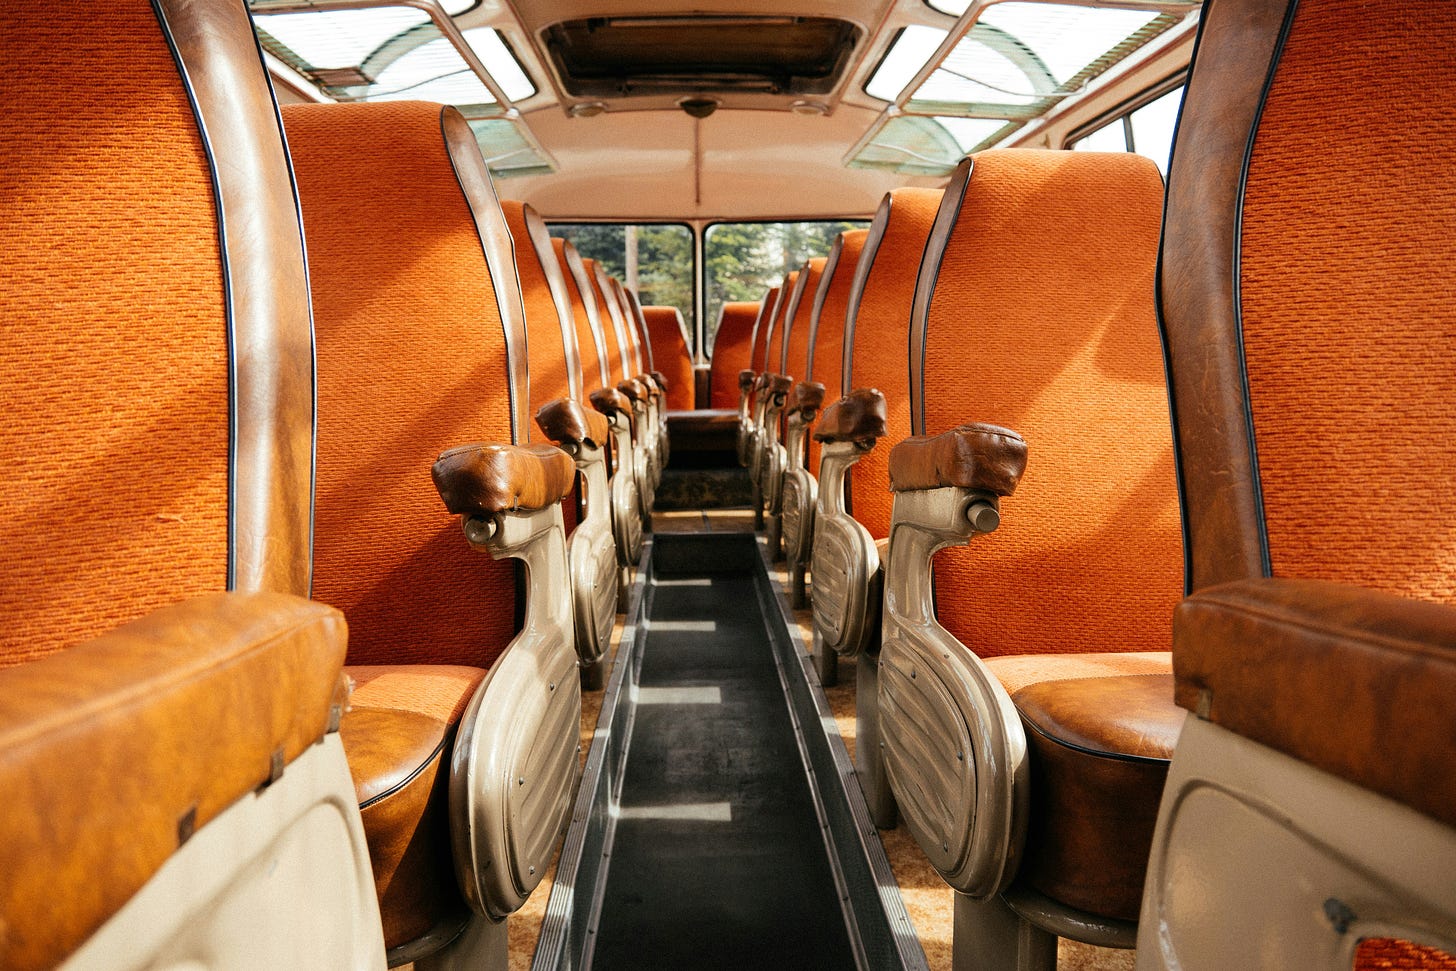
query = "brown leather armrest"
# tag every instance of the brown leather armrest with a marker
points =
(634, 389)
(857, 417)
(1352, 681)
(974, 456)
(113, 752)
(808, 397)
(564, 420)
(489, 479)
(661, 380)
(610, 401)
(746, 379)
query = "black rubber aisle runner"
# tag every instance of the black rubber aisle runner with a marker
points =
(718, 859)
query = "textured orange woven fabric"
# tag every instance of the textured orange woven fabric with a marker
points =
(775, 348)
(828, 367)
(616, 353)
(731, 353)
(1349, 312)
(439, 690)
(545, 351)
(1042, 320)
(881, 353)
(411, 360)
(769, 307)
(797, 333)
(671, 355)
(1391, 954)
(114, 348)
(586, 341)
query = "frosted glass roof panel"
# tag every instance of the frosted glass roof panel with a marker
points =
(388, 54)
(928, 146)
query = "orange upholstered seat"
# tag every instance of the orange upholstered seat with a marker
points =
(590, 341)
(878, 353)
(758, 344)
(797, 325)
(1307, 308)
(160, 665)
(1039, 317)
(732, 352)
(671, 354)
(551, 345)
(414, 356)
(826, 340)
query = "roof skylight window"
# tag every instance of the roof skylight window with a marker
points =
(389, 54)
(1011, 61)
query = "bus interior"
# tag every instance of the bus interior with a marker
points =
(885, 484)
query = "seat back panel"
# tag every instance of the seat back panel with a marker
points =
(410, 364)
(1060, 343)
(1355, 430)
(877, 342)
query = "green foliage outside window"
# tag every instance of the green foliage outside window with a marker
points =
(743, 260)
(659, 254)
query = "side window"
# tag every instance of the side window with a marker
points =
(1147, 130)
(655, 259)
(743, 260)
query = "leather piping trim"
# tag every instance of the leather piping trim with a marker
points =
(499, 252)
(872, 242)
(312, 329)
(800, 285)
(556, 283)
(227, 289)
(404, 783)
(265, 296)
(925, 281)
(1094, 753)
(1265, 559)
(830, 265)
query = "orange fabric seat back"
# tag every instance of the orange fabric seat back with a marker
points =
(589, 339)
(732, 352)
(758, 343)
(638, 345)
(797, 329)
(413, 358)
(155, 348)
(1035, 312)
(552, 362)
(876, 340)
(826, 338)
(778, 323)
(1348, 314)
(671, 355)
(613, 332)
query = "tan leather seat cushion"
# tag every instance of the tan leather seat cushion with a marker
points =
(1100, 730)
(397, 736)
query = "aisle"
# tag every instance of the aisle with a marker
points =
(718, 860)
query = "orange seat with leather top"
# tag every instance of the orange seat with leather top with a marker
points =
(876, 353)
(795, 360)
(773, 347)
(614, 334)
(160, 667)
(1311, 332)
(826, 340)
(414, 356)
(732, 352)
(589, 339)
(671, 355)
(762, 323)
(1035, 312)
(553, 362)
